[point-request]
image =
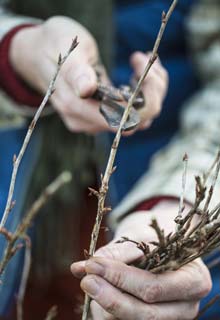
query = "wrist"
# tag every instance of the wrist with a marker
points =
(21, 51)
(136, 226)
(10, 81)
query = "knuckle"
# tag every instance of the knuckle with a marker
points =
(204, 287)
(105, 252)
(151, 313)
(109, 252)
(152, 293)
(112, 306)
(198, 283)
(117, 278)
(203, 282)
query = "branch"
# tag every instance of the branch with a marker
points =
(182, 196)
(52, 313)
(17, 160)
(22, 228)
(24, 279)
(109, 169)
(207, 306)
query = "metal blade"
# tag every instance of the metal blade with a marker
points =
(113, 112)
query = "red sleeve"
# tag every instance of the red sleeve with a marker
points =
(152, 202)
(10, 81)
(148, 204)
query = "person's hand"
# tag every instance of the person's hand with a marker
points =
(125, 292)
(154, 87)
(34, 54)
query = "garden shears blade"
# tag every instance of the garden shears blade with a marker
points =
(113, 102)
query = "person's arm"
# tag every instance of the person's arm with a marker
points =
(32, 55)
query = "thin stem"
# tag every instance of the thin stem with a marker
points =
(207, 306)
(109, 169)
(17, 160)
(182, 196)
(52, 313)
(24, 280)
(22, 228)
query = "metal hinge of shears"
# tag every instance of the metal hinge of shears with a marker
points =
(114, 100)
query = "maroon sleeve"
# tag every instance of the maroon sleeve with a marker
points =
(10, 81)
(148, 204)
(152, 202)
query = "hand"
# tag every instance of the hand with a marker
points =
(145, 296)
(125, 292)
(34, 54)
(154, 87)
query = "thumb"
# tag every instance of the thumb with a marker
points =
(125, 252)
(82, 79)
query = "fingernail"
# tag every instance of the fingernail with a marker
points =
(94, 267)
(82, 83)
(91, 286)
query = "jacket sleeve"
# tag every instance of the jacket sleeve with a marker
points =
(8, 20)
(12, 115)
(199, 135)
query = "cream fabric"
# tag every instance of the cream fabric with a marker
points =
(12, 115)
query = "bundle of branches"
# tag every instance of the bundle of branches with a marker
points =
(197, 232)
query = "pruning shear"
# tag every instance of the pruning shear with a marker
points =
(113, 101)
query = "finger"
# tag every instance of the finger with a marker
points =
(80, 115)
(157, 73)
(145, 124)
(139, 61)
(154, 86)
(82, 79)
(189, 283)
(124, 306)
(78, 269)
(98, 313)
(126, 252)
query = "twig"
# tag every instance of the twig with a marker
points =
(109, 169)
(207, 306)
(214, 263)
(52, 313)
(24, 280)
(188, 242)
(17, 159)
(182, 196)
(22, 228)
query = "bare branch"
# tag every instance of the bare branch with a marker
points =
(110, 165)
(207, 306)
(24, 280)
(52, 313)
(17, 159)
(182, 196)
(22, 228)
